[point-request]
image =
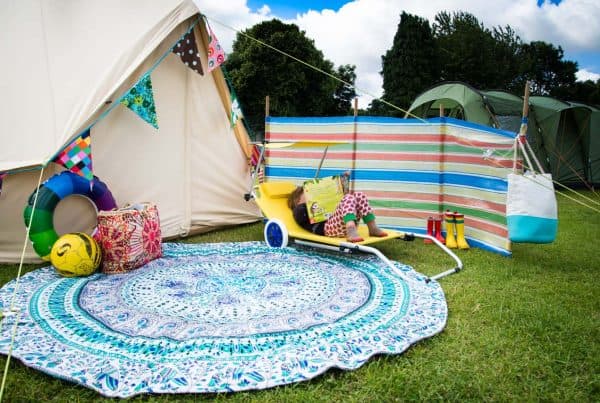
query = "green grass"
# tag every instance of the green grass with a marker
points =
(524, 328)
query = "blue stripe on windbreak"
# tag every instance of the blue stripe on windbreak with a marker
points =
(299, 173)
(347, 119)
(436, 178)
(475, 181)
(332, 120)
(387, 120)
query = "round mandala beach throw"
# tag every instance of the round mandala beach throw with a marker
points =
(218, 318)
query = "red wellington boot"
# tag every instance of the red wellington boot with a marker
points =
(438, 230)
(429, 230)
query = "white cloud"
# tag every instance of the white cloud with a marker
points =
(362, 31)
(225, 17)
(584, 75)
(264, 10)
(357, 34)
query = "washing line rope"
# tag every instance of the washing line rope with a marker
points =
(357, 89)
(526, 164)
(579, 194)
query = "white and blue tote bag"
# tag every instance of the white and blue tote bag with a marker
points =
(531, 211)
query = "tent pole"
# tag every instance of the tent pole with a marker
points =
(354, 146)
(267, 106)
(321, 163)
(255, 171)
(523, 143)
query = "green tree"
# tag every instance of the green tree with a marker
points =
(505, 53)
(543, 65)
(586, 92)
(408, 67)
(467, 49)
(294, 89)
(344, 93)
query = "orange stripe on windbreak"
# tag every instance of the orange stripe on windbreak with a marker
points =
(400, 138)
(394, 156)
(486, 226)
(475, 143)
(434, 197)
(382, 194)
(307, 136)
(475, 203)
(397, 213)
(347, 136)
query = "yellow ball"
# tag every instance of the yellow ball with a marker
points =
(75, 254)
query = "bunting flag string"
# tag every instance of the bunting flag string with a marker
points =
(2, 176)
(187, 50)
(140, 100)
(216, 54)
(77, 156)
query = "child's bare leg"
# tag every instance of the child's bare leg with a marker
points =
(374, 230)
(352, 232)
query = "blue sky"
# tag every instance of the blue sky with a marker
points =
(359, 32)
(288, 8)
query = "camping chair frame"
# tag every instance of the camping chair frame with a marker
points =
(280, 227)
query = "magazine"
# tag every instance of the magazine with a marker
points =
(323, 195)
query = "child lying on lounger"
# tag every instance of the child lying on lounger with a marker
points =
(350, 210)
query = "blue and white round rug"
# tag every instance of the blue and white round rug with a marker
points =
(218, 318)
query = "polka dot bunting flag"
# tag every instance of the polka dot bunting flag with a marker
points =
(187, 50)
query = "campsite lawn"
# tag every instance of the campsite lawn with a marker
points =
(524, 328)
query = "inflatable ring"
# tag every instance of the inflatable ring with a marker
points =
(42, 233)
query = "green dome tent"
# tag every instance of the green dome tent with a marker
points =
(458, 100)
(565, 136)
(498, 109)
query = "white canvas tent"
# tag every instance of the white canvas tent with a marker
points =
(65, 63)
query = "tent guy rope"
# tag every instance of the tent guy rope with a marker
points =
(12, 309)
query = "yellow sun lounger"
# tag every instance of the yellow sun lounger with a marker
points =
(281, 228)
(272, 199)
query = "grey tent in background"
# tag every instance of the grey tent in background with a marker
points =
(564, 139)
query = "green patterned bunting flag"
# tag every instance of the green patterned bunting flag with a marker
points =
(141, 100)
